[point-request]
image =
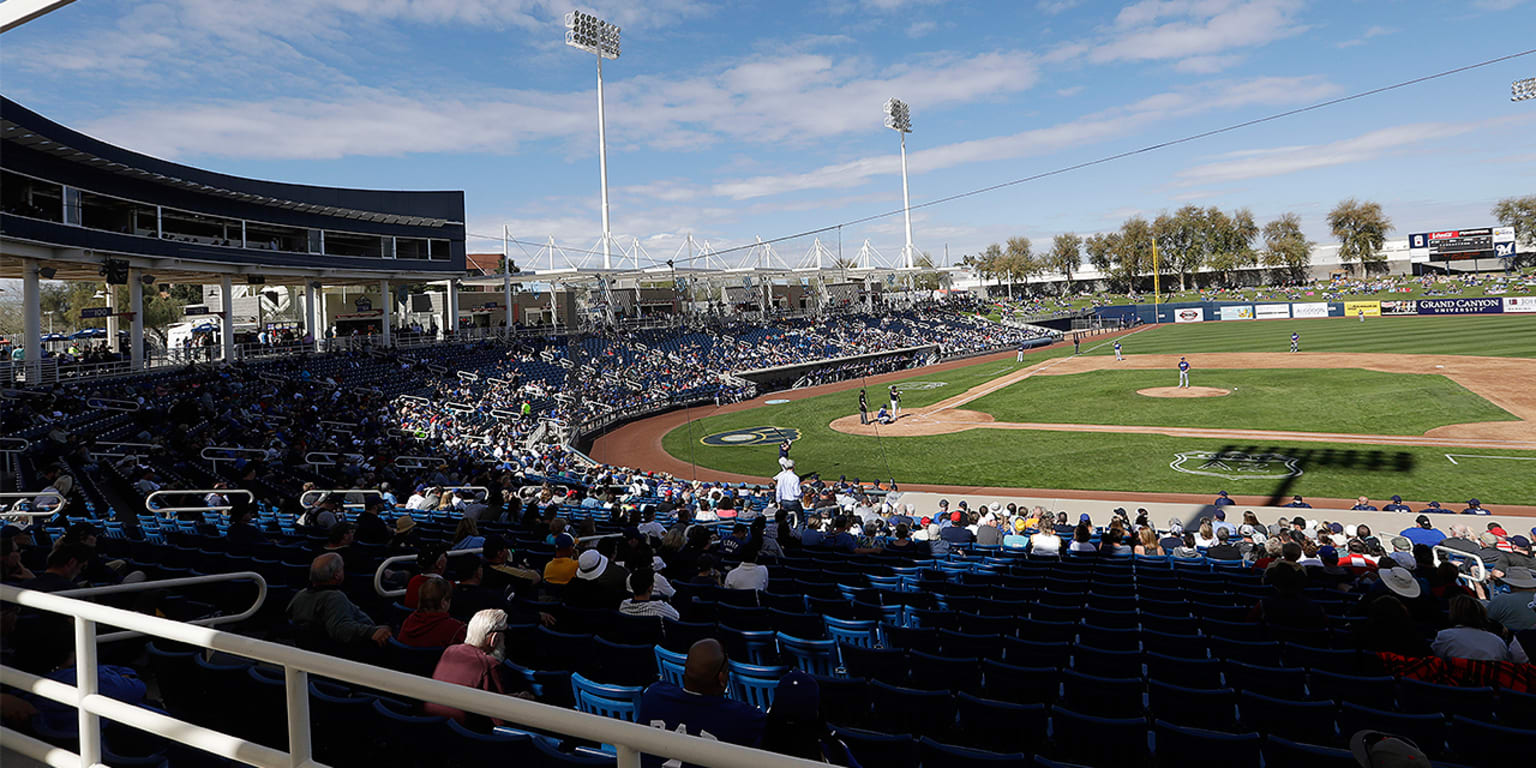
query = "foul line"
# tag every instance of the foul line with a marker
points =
(1480, 456)
(982, 390)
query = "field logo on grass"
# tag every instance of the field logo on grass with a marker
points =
(752, 436)
(1236, 465)
(916, 386)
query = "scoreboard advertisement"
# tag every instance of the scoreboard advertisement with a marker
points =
(1463, 244)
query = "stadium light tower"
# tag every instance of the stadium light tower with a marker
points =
(1523, 90)
(593, 35)
(898, 117)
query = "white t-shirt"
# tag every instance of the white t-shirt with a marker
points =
(1047, 544)
(1470, 643)
(787, 486)
(747, 576)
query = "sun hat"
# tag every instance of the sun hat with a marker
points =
(1019, 525)
(591, 565)
(1488, 538)
(404, 523)
(1520, 576)
(1402, 544)
(1350, 530)
(1401, 582)
(1374, 749)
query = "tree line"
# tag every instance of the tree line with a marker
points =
(1209, 241)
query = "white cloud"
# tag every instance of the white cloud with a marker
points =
(1498, 5)
(1370, 32)
(795, 97)
(1258, 163)
(921, 28)
(1206, 64)
(1084, 130)
(1053, 7)
(1191, 29)
(1072, 91)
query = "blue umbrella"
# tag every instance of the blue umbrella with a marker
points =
(54, 337)
(89, 333)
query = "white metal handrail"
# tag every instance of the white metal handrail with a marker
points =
(329, 458)
(1479, 575)
(113, 449)
(232, 453)
(10, 513)
(185, 492)
(417, 462)
(317, 492)
(143, 586)
(110, 404)
(628, 739)
(378, 573)
(13, 445)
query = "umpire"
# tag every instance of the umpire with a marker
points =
(863, 407)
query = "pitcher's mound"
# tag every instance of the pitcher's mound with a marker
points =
(1184, 392)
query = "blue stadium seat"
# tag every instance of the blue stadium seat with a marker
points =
(1018, 684)
(1264, 653)
(1292, 719)
(1475, 703)
(862, 633)
(1195, 673)
(412, 659)
(1379, 690)
(1284, 753)
(754, 683)
(843, 700)
(1106, 663)
(624, 664)
(819, 657)
(1478, 743)
(980, 719)
(933, 672)
(1426, 730)
(873, 748)
(1181, 747)
(1213, 709)
(888, 664)
(1272, 681)
(1101, 696)
(1100, 741)
(616, 701)
(936, 753)
(896, 709)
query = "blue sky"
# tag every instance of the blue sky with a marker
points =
(764, 118)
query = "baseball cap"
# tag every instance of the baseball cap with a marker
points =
(1374, 749)
(1397, 498)
(956, 516)
(1336, 527)
(943, 502)
(1519, 541)
(797, 692)
(591, 565)
(1083, 518)
(1221, 493)
(1221, 514)
(564, 541)
(1423, 520)
(1402, 544)
(1473, 502)
(1435, 504)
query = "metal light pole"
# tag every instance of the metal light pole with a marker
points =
(593, 35)
(1523, 90)
(898, 117)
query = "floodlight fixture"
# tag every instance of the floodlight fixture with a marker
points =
(47, 273)
(898, 117)
(593, 35)
(1523, 90)
(147, 279)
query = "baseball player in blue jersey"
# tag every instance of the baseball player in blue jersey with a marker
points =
(1117, 351)
(1295, 342)
(1183, 373)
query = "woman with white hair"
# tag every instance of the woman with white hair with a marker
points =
(475, 663)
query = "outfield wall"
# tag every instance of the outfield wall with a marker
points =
(1213, 311)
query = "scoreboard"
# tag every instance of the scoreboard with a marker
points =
(1459, 244)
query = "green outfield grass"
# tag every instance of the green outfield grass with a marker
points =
(1334, 400)
(1490, 335)
(1337, 400)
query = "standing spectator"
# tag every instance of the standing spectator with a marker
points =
(700, 705)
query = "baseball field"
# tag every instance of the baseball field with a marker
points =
(1431, 408)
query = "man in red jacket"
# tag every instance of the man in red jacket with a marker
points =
(430, 626)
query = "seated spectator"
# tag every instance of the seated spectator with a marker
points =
(430, 626)
(65, 564)
(474, 663)
(1017, 538)
(322, 610)
(406, 536)
(12, 571)
(1082, 539)
(1146, 542)
(1045, 541)
(467, 535)
(1224, 549)
(1175, 537)
(1388, 628)
(1288, 606)
(1402, 552)
(242, 536)
(937, 546)
(1424, 532)
(599, 583)
(500, 574)
(642, 602)
(113, 681)
(562, 567)
(748, 575)
(956, 532)
(338, 541)
(1512, 609)
(371, 529)
(431, 561)
(795, 725)
(732, 544)
(324, 514)
(1468, 636)
(700, 707)
(1110, 543)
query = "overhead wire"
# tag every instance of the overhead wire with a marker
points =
(1079, 166)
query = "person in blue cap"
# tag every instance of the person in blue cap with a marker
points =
(1397, 505)
(1433, 508)
(1475, 507)
(796, 727)
(1297, 502)
(1221, 499)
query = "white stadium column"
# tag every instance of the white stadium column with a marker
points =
(388, 302)
(111, 294)
(312, 314)
(32, 319)
(452, 326)
(136, 325)
(506, 299)
(227, 327)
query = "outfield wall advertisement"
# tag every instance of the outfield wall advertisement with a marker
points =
(1520, 303)
(1310, 309)
(1400, 307)
(1189, 315)
(1241, 312)
(1369, 308)
(1477, 306)
(1272, 311)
